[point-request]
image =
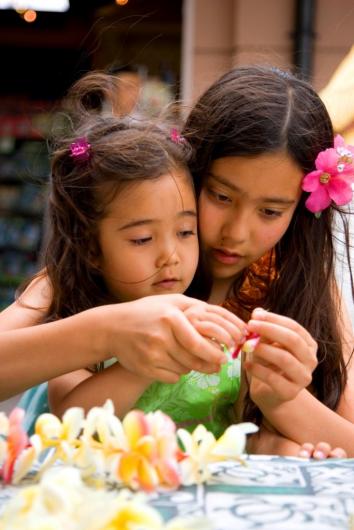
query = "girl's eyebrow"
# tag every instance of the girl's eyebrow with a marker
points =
(142, 222)
(233, 187)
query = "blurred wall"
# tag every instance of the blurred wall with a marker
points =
(218, 35)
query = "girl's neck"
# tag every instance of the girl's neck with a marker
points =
(220, 291)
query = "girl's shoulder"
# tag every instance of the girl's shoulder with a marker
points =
(38, 293)
(30, 306)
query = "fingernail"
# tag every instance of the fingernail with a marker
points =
(319, 454)
(259, 312)
(303, 453)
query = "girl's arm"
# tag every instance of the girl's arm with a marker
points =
(151, 337)
(85, 389)
(304, 418)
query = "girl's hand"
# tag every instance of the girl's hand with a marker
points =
(217, 324)
(283, 362)
(154, 337)
(320, 451)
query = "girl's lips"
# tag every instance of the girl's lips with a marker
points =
(167, 284)
(225, 257)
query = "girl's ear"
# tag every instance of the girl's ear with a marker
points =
(94, 256)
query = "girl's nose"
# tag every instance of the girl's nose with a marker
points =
(236, 229)
(168, 257)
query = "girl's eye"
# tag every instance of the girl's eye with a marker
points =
(268, 212)
(141, 241)
(219, 197)
(186, 233)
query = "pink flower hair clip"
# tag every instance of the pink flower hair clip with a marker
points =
(332, 179)
(177, 137)
(80, 150)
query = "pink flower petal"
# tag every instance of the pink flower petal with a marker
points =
(169, 473)
(318, 200)
(327, 161)
(135, 426)
(17, 441)
(311, 181)
(340, 191)
(339, 141)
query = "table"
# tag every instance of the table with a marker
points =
(272, 493)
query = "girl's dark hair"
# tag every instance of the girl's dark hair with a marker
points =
(121, 151)
(254, 110)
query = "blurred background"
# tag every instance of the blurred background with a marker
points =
(167, 50)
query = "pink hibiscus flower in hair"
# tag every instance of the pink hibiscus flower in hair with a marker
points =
(332, 179)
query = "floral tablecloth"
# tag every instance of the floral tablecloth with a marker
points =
(270, 493)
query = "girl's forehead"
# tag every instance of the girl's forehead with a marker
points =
(264, 173)
(173, 188)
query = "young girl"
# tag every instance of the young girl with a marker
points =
(124, 226)
(121, 196)
(283, 378)
(263, 140)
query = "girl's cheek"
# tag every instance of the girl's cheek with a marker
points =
(274, 233)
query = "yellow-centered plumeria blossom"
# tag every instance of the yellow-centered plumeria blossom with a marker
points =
(203, 449)
(61, 500)
(141, 451)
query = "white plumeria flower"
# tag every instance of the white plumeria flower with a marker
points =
(231, 445)
(62, 500)
(197, 446)
(4, 424)
(51, 429)
(202, 449)
(27, 458)
(101, 421)
(3, 452)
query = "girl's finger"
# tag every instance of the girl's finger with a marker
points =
(288, 338)
(321, 450)
(306, 450)
(282, 387)
(215, 333)
(280, 361)
(262, 314)
(338, 452)
(192, 343)
(236, 329)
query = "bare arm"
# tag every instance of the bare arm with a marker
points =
(84, 389)
(305, 419)
(152, 337)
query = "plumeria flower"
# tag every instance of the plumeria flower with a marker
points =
(153, 451)
(197, 448)
(62, 500)
(332, 179)
(201, 449)
(62, 436)
(103, 429)
(141, 451)
(231, 445)
(248, 345)
(15, 443)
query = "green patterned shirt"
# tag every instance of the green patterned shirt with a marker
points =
(197, 398)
